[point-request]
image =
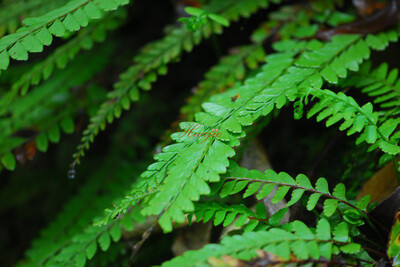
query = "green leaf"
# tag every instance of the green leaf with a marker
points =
(341, 232)
(323, 230)
(104, 241)
(4, 60)
(352, 248)
(313, 200)
(54, 134)
(363, 202)
(296, 195)
(389, 148)
(67, 125)
(80, 259)
(42, 143)
(322, 186)
(277, 217)
(371, 134)
(57, 28)
(32, 44)
(115, 232)
(44, 36)
(329, 75)
(18, 52)
(71, 23)
(280, 194)
(194, 11)
(316, 80)
(330, 206)
(219, 19)
(91, 250)
(232, 125)
(92, 11)
(8, 161)
(81, 17)
(340, 191)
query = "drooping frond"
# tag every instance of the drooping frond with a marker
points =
(261, 184)
(337, 107)
(381, 85)
(301, 242)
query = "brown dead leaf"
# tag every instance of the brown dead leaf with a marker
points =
(367, 7)
(381, 184)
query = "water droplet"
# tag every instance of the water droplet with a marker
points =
(71, 174)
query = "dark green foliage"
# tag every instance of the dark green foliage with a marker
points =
(81, 87)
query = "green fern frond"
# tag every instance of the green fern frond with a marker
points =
(226, 215)
(363, 119)
(153, 60)
(256, 182)
(194, 161)
(39, 31)
(12, 11)
(380, 84)
(60, 57)
(301, 242)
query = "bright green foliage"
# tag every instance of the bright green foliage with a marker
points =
(281, 77)
(379, 83)
(153, 61)
(226, 215)
(39, 31)
(303, 242)
(363, 119)
(196, 175)
(59, 59)
(261, 184)
(11, 10)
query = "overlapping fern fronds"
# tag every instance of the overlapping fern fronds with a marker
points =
(299, 243)
(153, 61)
(194, 176)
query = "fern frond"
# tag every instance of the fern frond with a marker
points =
(363, 119)
(226, 215)
(12, 11)
(194, 161)
(60, 57)
(301, 242)
(380, 84)
(39, 31)
(153, 60)
(256, 182)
